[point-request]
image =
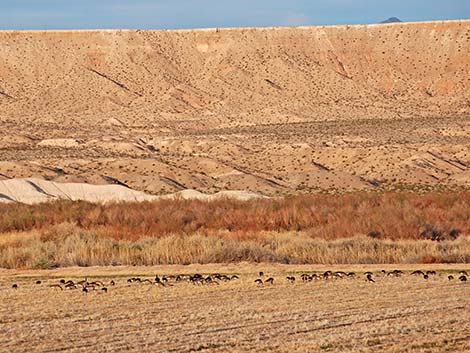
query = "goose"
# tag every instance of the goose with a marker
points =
(104, 289)
(291, 279)
(259, 281)
(112, 283)
(14, 286)
(38, 282)
(450, 277)
(270, 280)
(417, 273)
(56, 286)
(70, 286)
(261, 273)
(369, 278)
(463, 278)
(463, 273)
(83, 283)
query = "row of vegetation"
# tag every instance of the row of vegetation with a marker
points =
(354, 228)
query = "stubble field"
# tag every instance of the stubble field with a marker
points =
(394, 314)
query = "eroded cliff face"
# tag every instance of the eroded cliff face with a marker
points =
(222, 94)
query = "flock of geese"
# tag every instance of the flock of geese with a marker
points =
(216, 278)
(368, 276)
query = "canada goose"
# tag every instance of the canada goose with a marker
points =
(178, 278)
(38, 282)
(112, 283)
(70, 286)
(426, 276)
(234, 277)
(104, 289)
(417, 273)
(68, 282)
(463, 278)
(261, 274)
(270, 280)
(369, 278)
(85, 289)
(14, 286)
(147, 281)
(258, 281)
(351, 274)
(291, 279)
(368, 273)
(429, 273)
(83, 283)
(463, 273)
(56, 286)
(395, 273)
(97, 283)
(450, 277)
(62, 281)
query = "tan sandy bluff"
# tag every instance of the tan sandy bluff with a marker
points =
(267, 110)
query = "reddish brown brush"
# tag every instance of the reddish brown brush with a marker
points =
(384, 216)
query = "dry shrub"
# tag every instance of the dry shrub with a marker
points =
(429, 259)
(439, 216)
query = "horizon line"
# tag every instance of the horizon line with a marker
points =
(230, 28)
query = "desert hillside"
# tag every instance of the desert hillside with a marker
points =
(269, 110)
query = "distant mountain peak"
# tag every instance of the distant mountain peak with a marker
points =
(392, 20)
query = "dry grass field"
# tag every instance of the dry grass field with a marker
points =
(394, 314)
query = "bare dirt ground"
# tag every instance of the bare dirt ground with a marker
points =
(269, 110)
(405, 314)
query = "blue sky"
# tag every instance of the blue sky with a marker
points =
(158, 14)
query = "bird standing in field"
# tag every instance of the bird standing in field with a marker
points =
(259, 281)
(369, 278)
(270, 280)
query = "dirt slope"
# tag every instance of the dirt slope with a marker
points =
(272, 110)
